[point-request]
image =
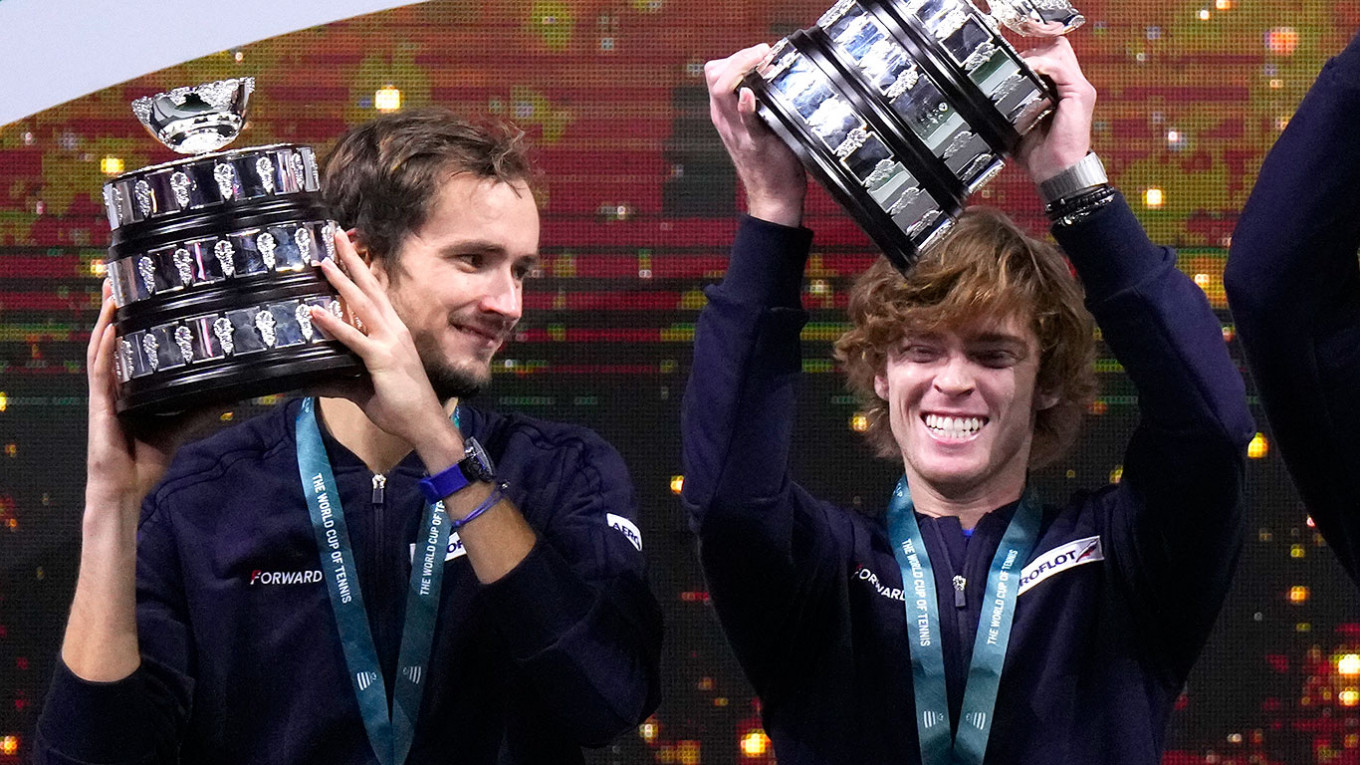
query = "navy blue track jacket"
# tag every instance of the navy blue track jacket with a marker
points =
(1294, 286)
(241, 659)
(1116, 600)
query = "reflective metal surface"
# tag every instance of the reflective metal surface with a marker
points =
(902, 109)
(202, 118)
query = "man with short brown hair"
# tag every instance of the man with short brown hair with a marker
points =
(970, 622)
(265, 602)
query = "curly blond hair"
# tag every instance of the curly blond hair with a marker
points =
(988, 267)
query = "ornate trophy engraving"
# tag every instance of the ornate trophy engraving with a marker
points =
(225, 257)
(222, 329)
(265, 167)
(225, 175)
(304, 320)
(303, 238)
(184, 338)
(200, 317)
(151, 347)
(143, 192)
(179, 184)
(125, 356)
(299, 165)
(904, 108)
(328, 239)
(147, 268)
(266, 245)
(1037, 18)
(184, 265)
(264, 321)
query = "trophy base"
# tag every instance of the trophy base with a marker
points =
(268, 373)
(223, 344)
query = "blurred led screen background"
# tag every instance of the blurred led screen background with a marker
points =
(640, 207)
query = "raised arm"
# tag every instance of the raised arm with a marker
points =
(1294, 287)
(104, 705)
(1176, 515)
(763, 540)
(738, 409)
(573, 602)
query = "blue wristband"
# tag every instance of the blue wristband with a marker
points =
(444, 483)
(488, 503)
(475, 465)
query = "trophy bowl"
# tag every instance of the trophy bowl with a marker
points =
(1036, 18)
(202, 118)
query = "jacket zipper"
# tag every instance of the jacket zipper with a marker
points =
(960, 583)
(379, 485)
(958, 580)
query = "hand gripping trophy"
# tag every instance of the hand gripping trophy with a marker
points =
(214, 261)
(903, 108)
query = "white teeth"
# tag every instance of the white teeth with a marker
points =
(954, 427)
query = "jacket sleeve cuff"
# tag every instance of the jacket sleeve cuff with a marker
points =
(85, 721)
(1110, 250)
(767, 263)
(538, 602)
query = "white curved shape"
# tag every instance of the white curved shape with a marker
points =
(52, 51)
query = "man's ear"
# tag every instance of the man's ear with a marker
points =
(377, 266)
(1044, 400)
(881, 387)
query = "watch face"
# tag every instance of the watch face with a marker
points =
(477, 463)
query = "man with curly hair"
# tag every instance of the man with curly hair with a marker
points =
(971, 621)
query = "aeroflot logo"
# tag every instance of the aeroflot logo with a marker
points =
(284, 577)
(1075, 553)
(626, 528)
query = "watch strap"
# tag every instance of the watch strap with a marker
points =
(448, 481)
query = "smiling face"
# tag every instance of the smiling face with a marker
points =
(961, 406)
(458, 279)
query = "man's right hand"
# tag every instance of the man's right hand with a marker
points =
(122, 464)
(772, 176)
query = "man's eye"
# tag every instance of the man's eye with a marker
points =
(995, 358)
(919, 353)
(472, 259)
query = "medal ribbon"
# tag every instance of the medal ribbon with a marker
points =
(923, 629)
(391, 736)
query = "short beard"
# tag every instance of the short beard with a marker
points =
(447, 380)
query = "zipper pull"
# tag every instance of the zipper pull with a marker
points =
(379, 483)
(959, 584)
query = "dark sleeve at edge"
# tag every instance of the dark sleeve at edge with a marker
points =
(1294, 285)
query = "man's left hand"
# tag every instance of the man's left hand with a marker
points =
(397, 396)
(1065, 138)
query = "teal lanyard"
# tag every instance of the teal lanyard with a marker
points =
(390, 737)
(923, 630)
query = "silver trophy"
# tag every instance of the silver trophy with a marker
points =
(214, 261)
(903, 108)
